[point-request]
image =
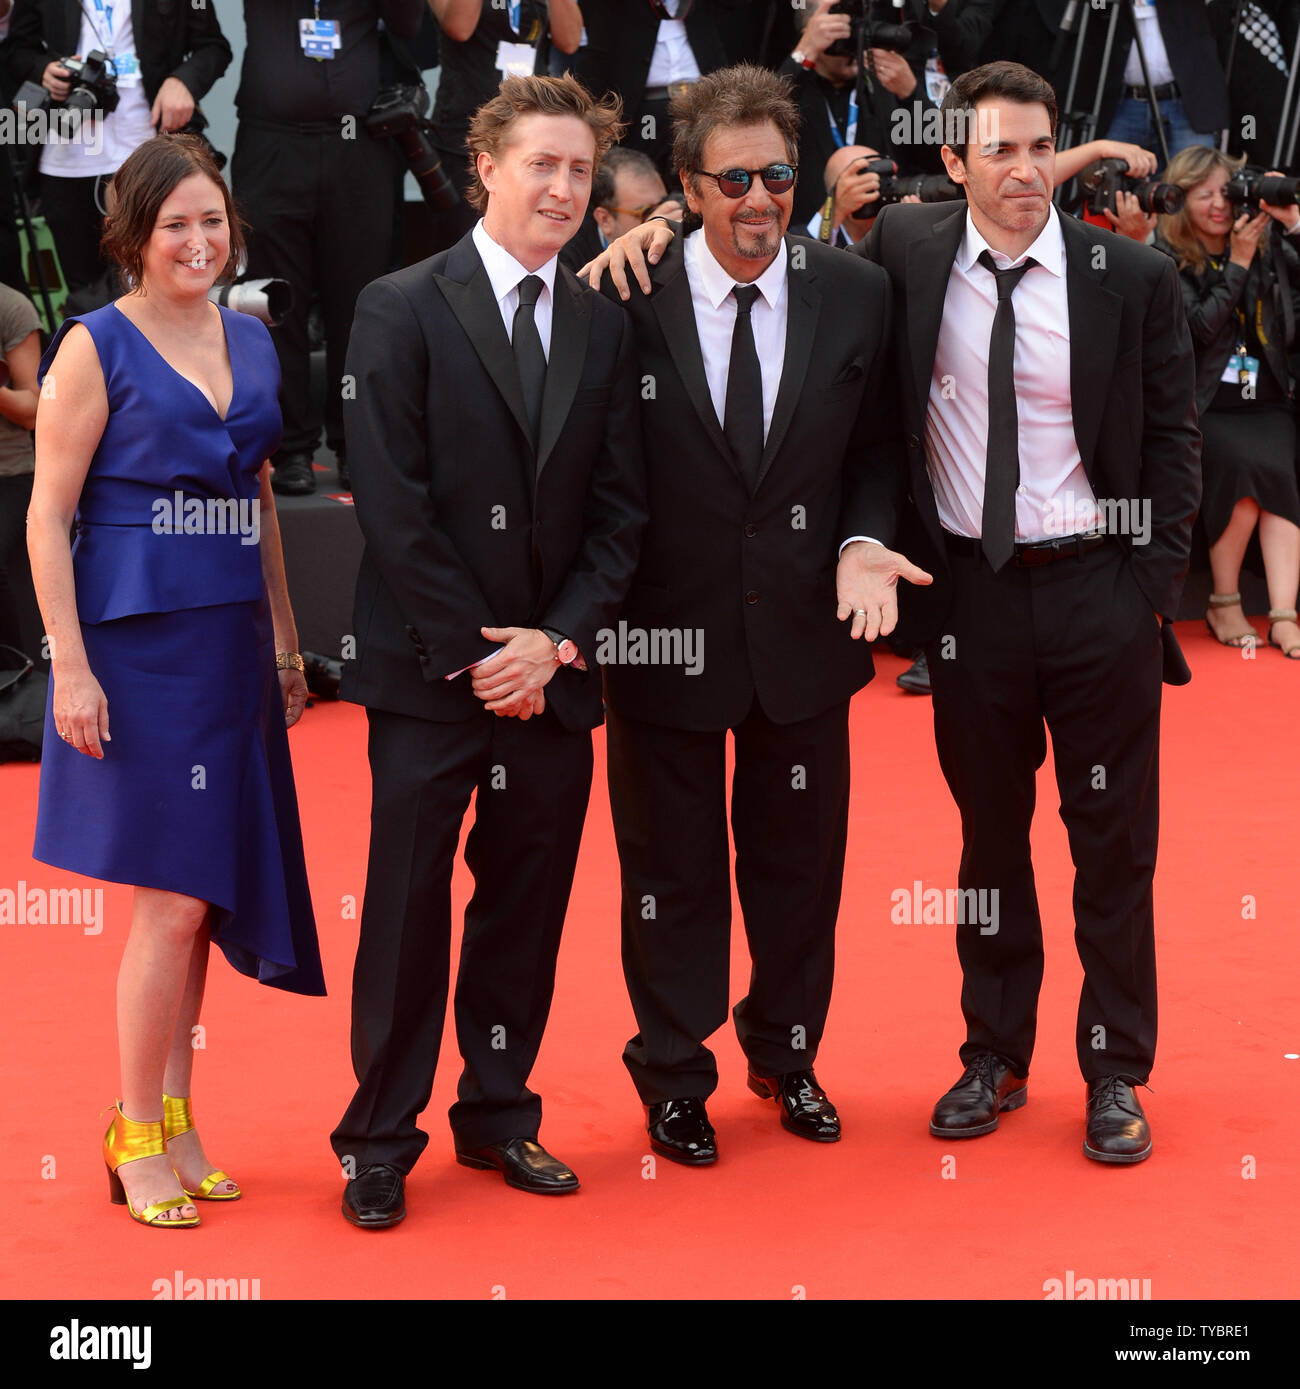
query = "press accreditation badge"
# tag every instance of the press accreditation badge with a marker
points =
(126, 68)
(319, 38)
(516, 59)
(1241, 371)
(936, 80)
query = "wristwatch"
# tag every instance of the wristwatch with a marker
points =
(803, 59)
(566, 651)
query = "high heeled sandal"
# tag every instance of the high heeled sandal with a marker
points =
(125, 1141)
(1276, 615)
(178, 1119)
(1230, 600)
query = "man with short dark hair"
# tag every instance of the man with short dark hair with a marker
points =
(627, 189)
(770, 457)
(1054, 468)
(496, 447)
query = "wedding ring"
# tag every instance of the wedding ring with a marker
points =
(861, 612)
(67, 737)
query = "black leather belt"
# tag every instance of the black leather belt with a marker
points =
(1032, 554)
(667, 93)
(1166, 91)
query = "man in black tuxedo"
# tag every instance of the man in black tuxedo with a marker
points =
(496, 443)
(771, 449)
(1054, 475)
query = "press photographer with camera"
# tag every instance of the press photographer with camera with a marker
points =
(317, 190)
(483, 41)
(1241, 289)
(144, 83)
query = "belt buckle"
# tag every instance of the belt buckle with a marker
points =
(675, 89)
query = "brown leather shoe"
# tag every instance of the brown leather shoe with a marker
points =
(986, 1088)
(525, 1164)
(1116, 1128)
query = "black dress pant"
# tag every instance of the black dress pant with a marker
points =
(71, 207)
(320, 214)
(531, 782)
(789, 815)
(1074, 646)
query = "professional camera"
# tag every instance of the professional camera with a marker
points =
(1250, 186)
(1103, 179)
(196, 125)
(869, 31)
(532, 20)
(400, 113)
(269, 300)
(930, 188)
(92, 87)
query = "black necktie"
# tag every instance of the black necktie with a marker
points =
(742, 415)
(1002, 464)
(529, 357)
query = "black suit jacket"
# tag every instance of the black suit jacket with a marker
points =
(466, 526)
(173, 38)
(756, 574)
(1132, 387)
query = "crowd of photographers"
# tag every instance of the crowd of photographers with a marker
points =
(334, 110)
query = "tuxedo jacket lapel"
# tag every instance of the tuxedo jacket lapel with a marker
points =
(676, 314)
(928, 265)
(570, 326)
(802, 311)
(1095, 314)
(468, 291)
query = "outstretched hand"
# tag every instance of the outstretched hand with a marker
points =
(866, 583)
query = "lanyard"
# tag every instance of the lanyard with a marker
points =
(105, 7)
(850, 126)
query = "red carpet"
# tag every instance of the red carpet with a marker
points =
(890, 1212)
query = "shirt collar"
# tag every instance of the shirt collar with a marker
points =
(1048, 248)
(504, 271)
(717, 284)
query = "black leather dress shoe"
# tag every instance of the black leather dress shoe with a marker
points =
(292, 475)
(805, 1110)
(525, 1164)
(376, 1197)
(1117, 1129)
(986, 1088)
(680, 1130)
(916, 678)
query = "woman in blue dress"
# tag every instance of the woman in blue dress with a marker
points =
(173, 651)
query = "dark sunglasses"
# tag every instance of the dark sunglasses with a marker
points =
(735, 183)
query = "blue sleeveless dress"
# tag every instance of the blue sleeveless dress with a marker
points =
(195, 792)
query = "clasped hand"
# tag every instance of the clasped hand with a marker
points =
(510, 683)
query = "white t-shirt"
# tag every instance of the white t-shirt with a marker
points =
(102, 147)
(673, 59)
(1153, 45)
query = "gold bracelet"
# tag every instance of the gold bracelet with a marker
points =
(288, 660)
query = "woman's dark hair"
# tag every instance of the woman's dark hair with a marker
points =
(140, 187)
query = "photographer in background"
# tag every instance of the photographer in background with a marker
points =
(317, 191)
(482, 42)
(1240, 279)
(20, 352)
(159, 75)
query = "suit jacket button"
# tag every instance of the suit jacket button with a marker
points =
(751, 597)
(913, 442)
(751, 530)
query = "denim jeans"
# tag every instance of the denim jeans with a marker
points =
(1132, 123)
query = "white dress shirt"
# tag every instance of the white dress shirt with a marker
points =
(1054, 497)
(715, 321)
(1153, 44)
(673, 59)
(504, 274)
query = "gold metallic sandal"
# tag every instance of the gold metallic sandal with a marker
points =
(1230, 600)
(125, 1141)
(177, 1119)
(1275, 615)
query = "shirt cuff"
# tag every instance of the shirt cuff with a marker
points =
(870, 539)
(472, 664)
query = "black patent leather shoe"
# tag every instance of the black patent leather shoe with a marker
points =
(916, 678)
(525, 1165)
(292, 475)
(1117, 1129)
(986, 1088)
(680, 1130)
(804, 1107)
(376, 1197)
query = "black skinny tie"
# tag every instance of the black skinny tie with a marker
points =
(529, 357)
(742, 415)
(1002, 463)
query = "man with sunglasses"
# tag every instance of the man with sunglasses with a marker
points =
(771, 449)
